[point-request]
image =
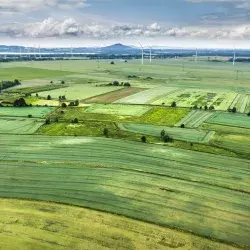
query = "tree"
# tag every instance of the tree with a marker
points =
(167, 138)
(36, 94)
(112, 63)
(163, 133)
(234, 110)
(248, 114)
(47, 121)
(144, 139)
(195, 106)
(211, 107)
(64, 105)
(106, 132)
(115, 83)
(20, 103)
(29, 116)
(62, 82)
(173, 105)
(60, 97)
(76, 102)
(182, 125)
(75, 120)
(206, 108)
(48, 97)
(17, 82)
(51, 81)
(71, 104)
(63, 97)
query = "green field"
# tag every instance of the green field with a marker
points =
(39, 112)
(64, 185)
(15, 125)
(190, 135)
(59, 226)
(229, 119)
(118, 109)
(165, 186)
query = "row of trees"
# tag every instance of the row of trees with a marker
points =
(9, 84)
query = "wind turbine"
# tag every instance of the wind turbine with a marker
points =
(196, 55)
(234, 55)
(142, 54)
(150, 54)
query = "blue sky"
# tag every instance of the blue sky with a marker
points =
(173, 23)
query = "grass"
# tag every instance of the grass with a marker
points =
(161, 185)
(38, 112)
(59, 226)
(189, 135)
(10, 125)
(230, 119)
(27, 73)
(118, 109)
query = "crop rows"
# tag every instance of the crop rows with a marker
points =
(190, 135)
(167, 186)
(194, 119)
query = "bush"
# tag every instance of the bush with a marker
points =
(48, 97)
(195, 107)
(234, 110)
(29, 116)
(211, 107)
(20, 103)
(76, 102)
(112, 63)
(173, 105)
(106, 132)
(115, 83)
(163, 133)
(182, 125)
(36, 95)
(163, 104)
(64, 105)
(127, 84)
(62, 82)
(51, 81)
(144, 139)
(206, 108)
(71, 104)
(248, 114)
(63, 97)
(167, 138)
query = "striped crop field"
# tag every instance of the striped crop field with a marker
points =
(118, 109)
(195, 118)
(38, 112)
(13, 125)
(230, 119)
(198, 193)
(58, 226)
(190, 135)
(147, 96)
(241, 104)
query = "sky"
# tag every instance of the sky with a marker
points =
(168, 23)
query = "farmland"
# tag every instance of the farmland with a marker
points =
(236, 120)
(39, 112)
(191, 135)
(76, 228)
(127, 188)
(10, 125)
(112, 178)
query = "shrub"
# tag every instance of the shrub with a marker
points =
(234, 110)
(36, 95)
(144, 139)
(29, 116)
(106, 132)
(127, 84)
(51, 81)
(163, 103)
(71, 104)
(195, 107)
(163, 133)
(48, 97)
(211, 107)
(248, 114)
(62, 82)
(64, 105)
(206, 108)
(76, 102)
(112, 63)
(173, 105)
(63, 97)
(182, 125)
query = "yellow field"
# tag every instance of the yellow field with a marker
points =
(42, 225)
